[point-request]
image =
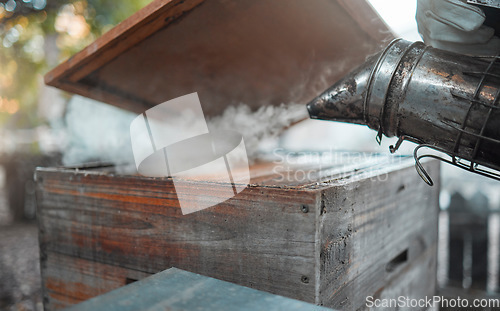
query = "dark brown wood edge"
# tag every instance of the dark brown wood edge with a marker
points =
(128, 33)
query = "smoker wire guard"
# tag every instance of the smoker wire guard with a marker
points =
(473, 165)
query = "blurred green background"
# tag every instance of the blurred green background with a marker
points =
(35, 36)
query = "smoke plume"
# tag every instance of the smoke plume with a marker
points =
(97, 132)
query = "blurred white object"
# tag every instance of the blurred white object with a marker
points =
(399, 15)
(456, 26)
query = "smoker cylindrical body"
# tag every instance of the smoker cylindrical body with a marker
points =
(425, 95)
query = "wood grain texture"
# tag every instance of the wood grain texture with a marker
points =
(366, 225)
(255, 52)
(136, 223)
(69, 280)
(357, 221)
(131, 31)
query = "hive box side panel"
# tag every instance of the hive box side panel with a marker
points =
(69, 280)
(379, 239)
(261, 238)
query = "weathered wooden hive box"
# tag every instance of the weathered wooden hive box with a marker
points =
(345, 231)
(356, 231)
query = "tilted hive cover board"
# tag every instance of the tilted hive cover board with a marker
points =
(256, 52)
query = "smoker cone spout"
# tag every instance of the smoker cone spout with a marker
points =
(441, 100)
(344, 101)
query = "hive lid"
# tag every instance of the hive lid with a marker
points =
(256, 52)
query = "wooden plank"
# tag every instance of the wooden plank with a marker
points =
(366, 225)
(255, 52)
(175, 289)
(125, 35)
(70, 280)
(414, 280)
(468, 241)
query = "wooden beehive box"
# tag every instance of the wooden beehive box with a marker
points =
(349, 231)
(333, 238)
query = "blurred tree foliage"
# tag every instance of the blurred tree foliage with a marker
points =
(35, 35)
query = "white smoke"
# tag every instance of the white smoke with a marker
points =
(98, 132)
(261, 128)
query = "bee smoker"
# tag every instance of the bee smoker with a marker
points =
(440, 100)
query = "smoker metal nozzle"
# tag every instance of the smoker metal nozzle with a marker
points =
(344, 101)
(446, 101)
